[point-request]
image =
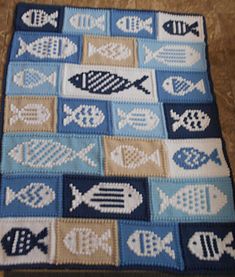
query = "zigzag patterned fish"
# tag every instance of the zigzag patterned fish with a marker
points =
(44, 153)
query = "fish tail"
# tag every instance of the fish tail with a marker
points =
(43, 247)
(69, 112)
(138, 85)
(176, 124)
(10, 196)
(167, 240)
(103, 242)
(165, 200)
(53, 18)
(82, 155)
(148, 54)
(100, 23)
(200, 86)
(22, 49)
(52, 79)
(147, 25)
(228, 249)
(77, 197)
(122, 123)
(42, 234)
(91, 49)
(214, 156)
(154, 157)
(15, 116)
(194, 28)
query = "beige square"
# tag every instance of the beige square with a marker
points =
(134, 157)
(87, 241)
(109, 51)
(30, 114)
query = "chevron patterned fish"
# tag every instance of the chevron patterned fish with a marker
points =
(39, 18)
(45, 153)
(34, 195)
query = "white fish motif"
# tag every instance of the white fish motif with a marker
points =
(148, 244)
(134, 24)
(195, 200)
(31, 114)
(207, 246)
(139, 119)
(44, 153)
(113, 51)
(84, 241)
(130, 157)
(86, 116)
(38, 18)
(177, 85)
(35, 195)
(87, 22)
(119, 198)
(173, 55)
(53, 47)
(31, 78)
(192, 120)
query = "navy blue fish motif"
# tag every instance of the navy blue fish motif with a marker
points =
(181, 28)
(191, 158)
(104, 82)
(20, 241)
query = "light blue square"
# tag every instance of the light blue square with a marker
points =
(140, 120)
(192, 200)
(171, 56)
(31, 195)
(48, 155)
(26, 78)
(137, 249)
(86, 21)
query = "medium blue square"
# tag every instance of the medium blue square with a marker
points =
(39, 18)
(133, 24)
(192, 121)
(182, 87)
(149, 244)
(83, 116)
(105, 197)
(27, 195)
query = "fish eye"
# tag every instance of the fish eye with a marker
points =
(8, 238)
(129, 195)
(77, 78)
(133, 240)
(194, 243)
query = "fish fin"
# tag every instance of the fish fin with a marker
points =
(42, 247)
(193, 28)
(77, 197)
(42, 234)
(22, 49)
(15, 116)
(154, 157)
(100, 23)
(52, 79)
(165, 200)
(200, 86)
(91, 49)
(214, 156)
(82, 155)
(10, 196)
(138, 85)
(53, 18)
(228, 249)
(69, 117)
(176, 124)
(103, 242)
(167, 240)
(146, 25)
(122, 123)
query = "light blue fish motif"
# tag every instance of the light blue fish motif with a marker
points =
(31, 78)
(191, 158)
(35, 195)
(173, 55)
(46, 153)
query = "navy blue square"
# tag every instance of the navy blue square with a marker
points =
(208, 246)
(40, 18)
(191, 121)
(83, 116)
(105, 197)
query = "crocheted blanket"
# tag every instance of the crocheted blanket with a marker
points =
(112, 155)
